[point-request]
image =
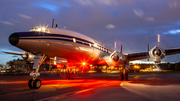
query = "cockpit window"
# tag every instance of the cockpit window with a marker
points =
(40, 29)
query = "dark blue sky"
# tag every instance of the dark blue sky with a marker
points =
(133, 23)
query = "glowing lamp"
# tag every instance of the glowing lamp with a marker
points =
(58, 66)
(84, 63)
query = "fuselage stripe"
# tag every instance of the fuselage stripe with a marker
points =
(70, 40)
(42, 34)
(52, 35)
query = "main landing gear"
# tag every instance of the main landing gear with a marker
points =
(70, 75)
(123, 76)
(34, 82)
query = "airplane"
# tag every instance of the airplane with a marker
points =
(42, 42)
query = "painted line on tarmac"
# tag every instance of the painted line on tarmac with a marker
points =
(57, 98)
(14, 82)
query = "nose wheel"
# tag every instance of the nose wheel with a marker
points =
(36, 84)
(30, 83)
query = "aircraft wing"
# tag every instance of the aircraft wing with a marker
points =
(137, 56)
(172, 51)
(15, 53)
(145, 55)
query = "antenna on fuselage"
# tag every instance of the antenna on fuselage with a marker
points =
(121, 49)
(56, 26)
(53, 23)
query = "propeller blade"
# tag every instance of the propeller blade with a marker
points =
(148, 51)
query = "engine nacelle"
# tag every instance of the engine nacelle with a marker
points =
(116, 59)
(28, 57)
(157, 54)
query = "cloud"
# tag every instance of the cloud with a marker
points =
(14, 21)
(149, 19)
(176, 31)
(172, 4)
(107, 2)
(85, 2)
(138, 12)
(97, 2)
(51, 7)
(24, 16)
(110, 26)
(7, 22)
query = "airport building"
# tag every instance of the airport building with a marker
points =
(20, 66)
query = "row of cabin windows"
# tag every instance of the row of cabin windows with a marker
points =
(95, 45)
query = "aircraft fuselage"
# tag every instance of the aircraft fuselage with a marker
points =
(61, 43)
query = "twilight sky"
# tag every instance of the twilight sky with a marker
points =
(133, 23)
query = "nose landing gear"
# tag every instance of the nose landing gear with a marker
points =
(34, 82)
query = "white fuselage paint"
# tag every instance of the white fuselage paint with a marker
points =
(65, 44)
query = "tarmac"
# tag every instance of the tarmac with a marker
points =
(96, 87)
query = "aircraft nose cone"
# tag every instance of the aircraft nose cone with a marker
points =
(14, 39)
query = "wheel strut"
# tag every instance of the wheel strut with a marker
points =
(123, 75)
(34, 82)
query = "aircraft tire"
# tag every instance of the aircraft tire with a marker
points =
(30, 83)
(37, 84)
(126, 76)
(68, 75)
(72, 76)
(121, 76)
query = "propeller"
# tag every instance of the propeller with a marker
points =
(159, 40)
